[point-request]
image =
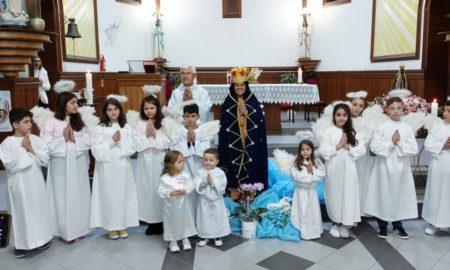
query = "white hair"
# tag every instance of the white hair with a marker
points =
(191, 67)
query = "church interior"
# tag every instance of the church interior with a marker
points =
(301, 55)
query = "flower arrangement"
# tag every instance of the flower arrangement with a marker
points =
(280, 214)
(411, 104)
(253, 75)
(246, 212)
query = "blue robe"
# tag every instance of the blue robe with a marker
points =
(244, 160)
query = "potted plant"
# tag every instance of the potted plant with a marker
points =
(249, 215)
(289, 78)
(36, 21)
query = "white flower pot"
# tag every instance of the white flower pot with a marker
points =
(249, 229)
(37, 24)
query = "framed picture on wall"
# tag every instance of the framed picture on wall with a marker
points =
(84, 49)
(132, 2)
(5, 108)
(327, 3)
(395, 30)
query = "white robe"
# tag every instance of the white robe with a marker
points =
(200, 96)
(341, 183)
(391, 194)
(212, 216)
(114, 200)
(33, 224)
(364, 164)
(178, 212)
(148, 171)
(436, 204)
(68, 179)
(193, 155)
(305, 212)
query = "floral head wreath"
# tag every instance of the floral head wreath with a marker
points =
(120, 98)
(64, 86)
(358, 94)
(401, 93)
(151, 89)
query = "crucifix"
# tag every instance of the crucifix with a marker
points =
(231, 9)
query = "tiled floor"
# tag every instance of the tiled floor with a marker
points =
(363, 250)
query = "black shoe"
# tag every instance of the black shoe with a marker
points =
(149, 230)
(19, 253)
(383, 233)
(45, 246)
(401, 233)
(158, 228)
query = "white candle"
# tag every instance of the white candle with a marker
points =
(88, 80)
(300, 75)
(434, 108)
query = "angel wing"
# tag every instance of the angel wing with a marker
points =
(170, 126)
(170, 112)
(41, 116)
(371, 118)
(211, 128)
(89, 118)
(431, 121)
(415, 120)
(133, 117)
(284, 160)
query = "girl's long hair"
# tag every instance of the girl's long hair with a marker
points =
(348, 126)
(104, 119)
(169, 160)
(60, 112)
(158, 117)
(299, 160)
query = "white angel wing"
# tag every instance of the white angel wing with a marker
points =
(133, 117)
(170, 112)
(431, 121)
(41, 116)
(415, 120)
(284, 160)
(372, 117)
(89, 118)
(170, 126)
(211, 128)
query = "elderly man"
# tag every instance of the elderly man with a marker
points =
(187, 91)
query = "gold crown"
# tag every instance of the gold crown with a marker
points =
(239, 75)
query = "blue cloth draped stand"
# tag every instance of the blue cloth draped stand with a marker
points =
(274, 223)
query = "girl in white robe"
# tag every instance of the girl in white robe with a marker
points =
(68, 177)
(306, 172)
(114, 200)
(341, 147)
(151, 142)
(178, 211)
(364, 164)
(212, 216)
(436, 203)
(23, 155)
(391, 194)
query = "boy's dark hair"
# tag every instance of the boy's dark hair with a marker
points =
(18, 114)
(392, 100)
(212, 151)
(191, 108)
(104, 119)
(159, 115)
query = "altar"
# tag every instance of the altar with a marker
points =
(271, 96)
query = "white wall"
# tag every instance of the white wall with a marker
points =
(266, 35)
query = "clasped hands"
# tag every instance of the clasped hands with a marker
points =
(343, 142)
(69, 134)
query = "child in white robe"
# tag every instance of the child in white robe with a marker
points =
(178, 211)
(306, 172)
(391, 194)
(364, 164)
(68, 177)
(151, 142)
(340, 146)
(191, 142)
(23, 154)
(212, 216)
(436, 203)
(114, 200)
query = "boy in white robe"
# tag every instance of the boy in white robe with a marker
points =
(210, 184)
(23, 154)
(436, 203)
(191, 142)
(391, 193)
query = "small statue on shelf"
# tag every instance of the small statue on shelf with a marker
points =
(12, 15)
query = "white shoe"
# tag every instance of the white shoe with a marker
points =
(186, 244)
(203, 242)
(173, 246)
(343, 232)
(335, 231)
(431, 230)
(218, 242)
